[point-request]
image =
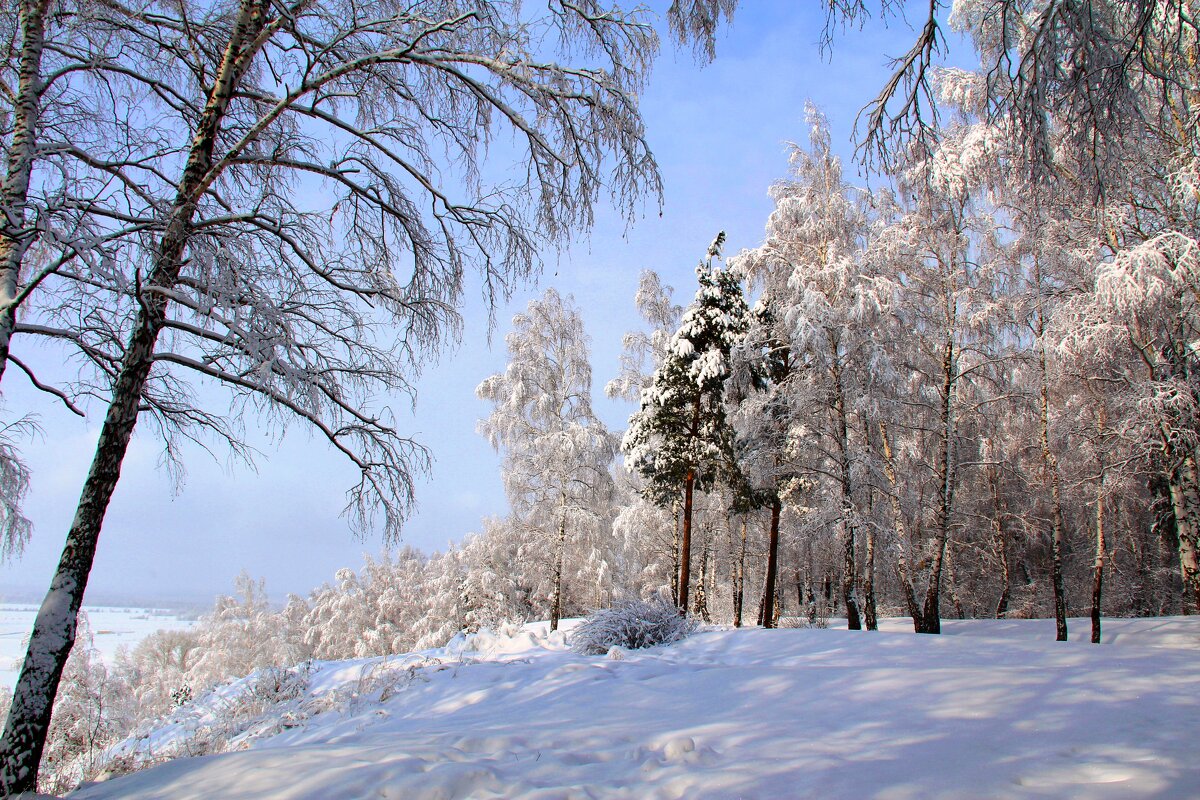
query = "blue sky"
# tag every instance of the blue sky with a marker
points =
(720, 134)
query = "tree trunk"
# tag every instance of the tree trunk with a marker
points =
(1185, 501)
(675, 541)
(1098, 564)
(685, 541)
(1000, 543)
(685, 545)
(560, 548)
(902, 539)
(849, 517)
(55, 626)
(22, 151)
(1050, 471)
(931, 621)
(54, 629)
(739, 595)
(767, 612)
(701, 606)
(871, 616)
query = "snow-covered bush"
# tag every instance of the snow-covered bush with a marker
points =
(631, 625)
(277, 685)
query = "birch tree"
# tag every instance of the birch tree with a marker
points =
(811, 270)
(941, 339)
(244, 277)
(556, 451)
(642, 352)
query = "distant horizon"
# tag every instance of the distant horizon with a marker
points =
(28, 594)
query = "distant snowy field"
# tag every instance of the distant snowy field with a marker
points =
(990, 709)
(111, 628)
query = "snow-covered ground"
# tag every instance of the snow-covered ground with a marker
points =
(111, 629)
(991, 709)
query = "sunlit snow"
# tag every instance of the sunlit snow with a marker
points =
(989, 709)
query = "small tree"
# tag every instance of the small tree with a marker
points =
(556, 451)
(680, 437)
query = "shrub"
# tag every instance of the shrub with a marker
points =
(631, 625)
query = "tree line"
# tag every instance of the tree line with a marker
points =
(963, 381)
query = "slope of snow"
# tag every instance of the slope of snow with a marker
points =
(993, 709)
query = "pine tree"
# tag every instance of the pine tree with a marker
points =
(680, 437)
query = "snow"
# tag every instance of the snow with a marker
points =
(989, 709)
(112, 628)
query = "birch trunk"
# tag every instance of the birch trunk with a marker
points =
(701, 606)
(22, 151)
(54, 629)
(902, 539)
(560, 547)
(1050, 468)
(1185, 500)
(739, 595)
(931, 621)
(849, 517)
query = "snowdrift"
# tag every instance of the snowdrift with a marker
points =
(989, 709)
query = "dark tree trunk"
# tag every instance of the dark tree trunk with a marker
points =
(1098, 564)
(685, 541)
(849, 517)
(871, 615)
(54, 629)
(676, 538)
(685, 545)
(931, 619)
(767, 612)
(1050, 469)
(1000, 543)
(853, 621)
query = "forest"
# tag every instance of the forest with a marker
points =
(965, 390)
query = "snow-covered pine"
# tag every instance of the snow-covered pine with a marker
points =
(680, 439)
